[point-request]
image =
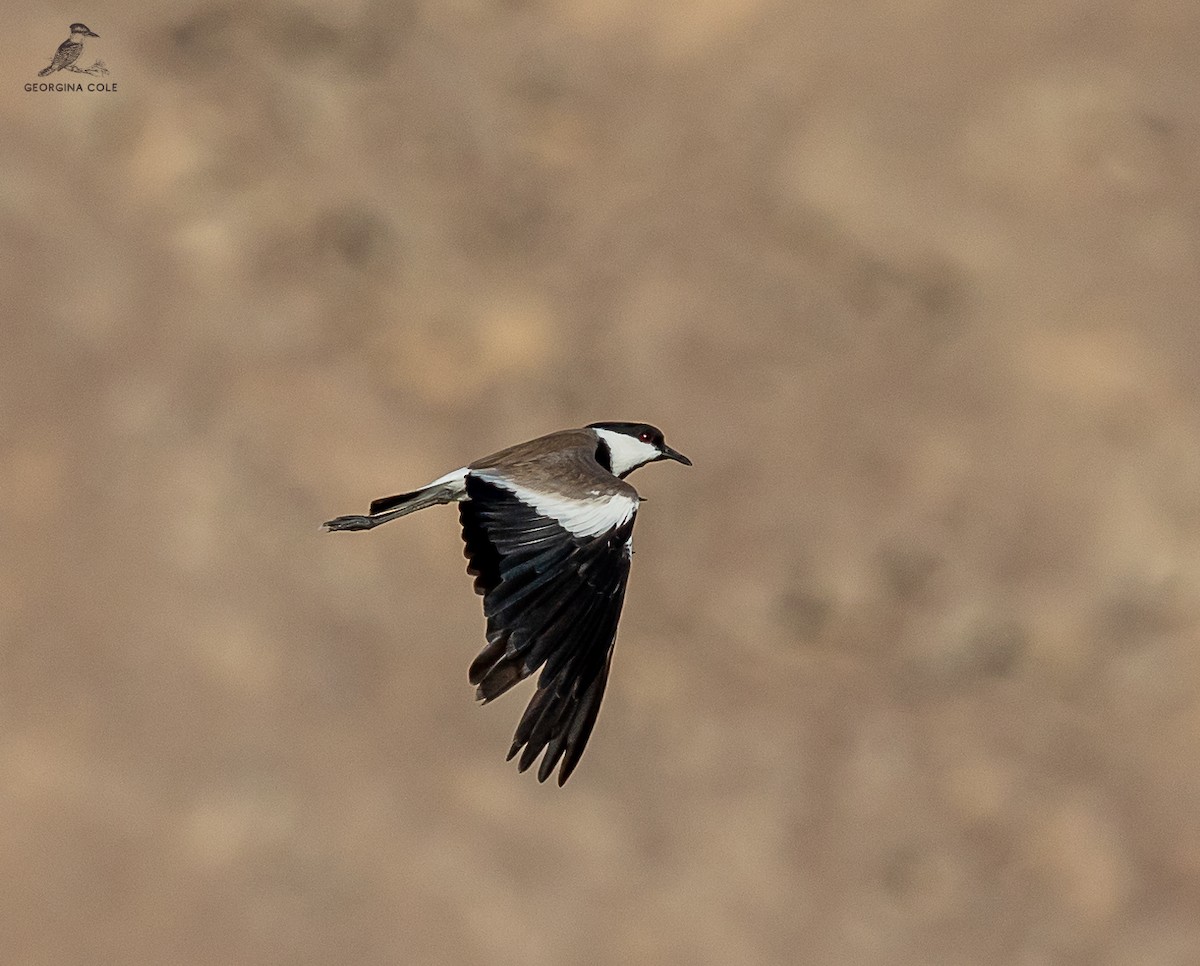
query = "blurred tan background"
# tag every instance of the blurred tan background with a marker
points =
(909, 670)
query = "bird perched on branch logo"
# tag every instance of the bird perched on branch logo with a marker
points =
(69, 50)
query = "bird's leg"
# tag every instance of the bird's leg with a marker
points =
(355, 521)
(432, 495)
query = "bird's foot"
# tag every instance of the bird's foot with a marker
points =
(351, 522)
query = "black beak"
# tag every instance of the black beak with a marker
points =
(90, 34)
(670, 454)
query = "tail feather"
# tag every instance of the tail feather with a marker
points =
(45, 71)
(387, 502)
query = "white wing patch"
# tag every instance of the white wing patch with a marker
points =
(583, 518)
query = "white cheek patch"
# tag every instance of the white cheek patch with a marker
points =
(582, 518)
(625, 452)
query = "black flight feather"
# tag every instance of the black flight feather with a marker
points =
(552, 601)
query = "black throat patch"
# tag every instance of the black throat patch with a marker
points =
(603, 456)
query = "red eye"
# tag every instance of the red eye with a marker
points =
(644, 437)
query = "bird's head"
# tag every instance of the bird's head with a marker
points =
(79, 28)
(631, 445)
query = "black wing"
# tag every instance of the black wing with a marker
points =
(550, 598)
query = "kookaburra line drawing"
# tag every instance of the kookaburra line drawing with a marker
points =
(548, 528)
(69, 50)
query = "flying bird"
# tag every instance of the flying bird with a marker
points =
(69, 50)
(548, 529)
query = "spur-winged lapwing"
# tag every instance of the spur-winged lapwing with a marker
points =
(548, 528)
